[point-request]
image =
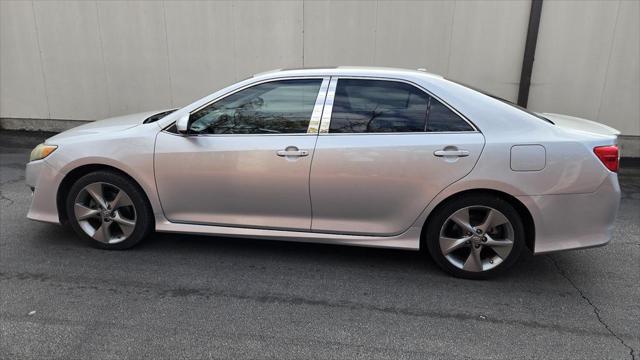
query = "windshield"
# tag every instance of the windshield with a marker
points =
(505, 101)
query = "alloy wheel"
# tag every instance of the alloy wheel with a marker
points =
(476, 238)
(105, 212)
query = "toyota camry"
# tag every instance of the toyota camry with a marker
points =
(349, 155)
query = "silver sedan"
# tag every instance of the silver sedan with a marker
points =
(349, 155)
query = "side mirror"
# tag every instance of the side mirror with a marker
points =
(182, 125)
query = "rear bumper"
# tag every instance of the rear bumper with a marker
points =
(574, 221)
(44, 181)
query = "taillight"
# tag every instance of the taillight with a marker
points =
(609, 155)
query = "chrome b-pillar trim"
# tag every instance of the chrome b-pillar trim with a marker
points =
(316, 116)
(328, 106)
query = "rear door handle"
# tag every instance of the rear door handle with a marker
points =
(458, 153)
(292, 151)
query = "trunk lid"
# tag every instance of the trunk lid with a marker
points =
(579, 124)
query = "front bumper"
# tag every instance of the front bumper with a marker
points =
(574, 221)
(44, 181)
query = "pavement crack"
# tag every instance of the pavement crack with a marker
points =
(155, 290)
(3, 197)
(596, 310)
(12, 181)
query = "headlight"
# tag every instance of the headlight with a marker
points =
(42, 151)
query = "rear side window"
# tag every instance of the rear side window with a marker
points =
(378, 106)
(441, 118)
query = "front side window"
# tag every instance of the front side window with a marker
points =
(376, 106)
(277, 107)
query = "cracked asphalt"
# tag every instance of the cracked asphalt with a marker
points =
(178, 296)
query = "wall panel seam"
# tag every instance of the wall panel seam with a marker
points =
(44, 78)
(606, 71)
(166, 45)
(453, 27)
(104, 61)
(375, 34)
(234, 41)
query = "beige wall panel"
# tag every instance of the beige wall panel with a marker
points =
(135, 52)
(87, 60)
(488, 43)
(268, 35)
(72, 59)
(620, 104)
(201, 48)
(573, 48)
(339, 33)
(22, 89)
(414, 34)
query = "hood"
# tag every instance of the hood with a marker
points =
(109, 125)
(575, 123)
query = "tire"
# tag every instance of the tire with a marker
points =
(109, 211)
(477, 248)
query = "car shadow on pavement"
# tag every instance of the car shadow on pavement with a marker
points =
(200, 247)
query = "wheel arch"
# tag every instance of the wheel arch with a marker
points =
(72, 176)
(525, 214)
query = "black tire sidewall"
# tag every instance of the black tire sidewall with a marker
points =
(144, 215)
(443, 212)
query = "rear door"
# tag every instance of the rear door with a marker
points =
(385, 149)
(247, 158)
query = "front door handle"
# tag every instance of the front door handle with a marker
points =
(292, 151)
(457, 153)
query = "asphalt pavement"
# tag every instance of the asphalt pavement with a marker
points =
(179, 296)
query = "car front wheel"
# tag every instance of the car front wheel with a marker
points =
(108, 210)
(476, 236)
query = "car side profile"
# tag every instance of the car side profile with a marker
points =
(348, 155)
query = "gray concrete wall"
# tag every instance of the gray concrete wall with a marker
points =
(88, 60)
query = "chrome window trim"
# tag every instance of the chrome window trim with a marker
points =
(328, 106)
(330, 99)
(333, 134)
(316, 115)
(236, 135)
(325, 79)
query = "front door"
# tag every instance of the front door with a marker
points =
(386, 149)
(246, 159)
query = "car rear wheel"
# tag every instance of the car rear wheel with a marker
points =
(109, 211)
(476, 236)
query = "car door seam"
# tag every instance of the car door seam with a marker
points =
(313, 154)
(422, 213)
(155, 178)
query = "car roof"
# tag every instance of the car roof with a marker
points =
(347, 71)
(488, 114)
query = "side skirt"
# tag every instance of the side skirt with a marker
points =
(409, 240)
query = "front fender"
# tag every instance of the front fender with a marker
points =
(131, 152)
